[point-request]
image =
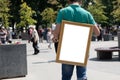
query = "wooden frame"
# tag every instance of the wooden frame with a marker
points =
(74, 43)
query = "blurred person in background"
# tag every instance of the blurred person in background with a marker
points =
(34, 38)
(3, 35)
(49, 38)
(9, 35)
(40, 33)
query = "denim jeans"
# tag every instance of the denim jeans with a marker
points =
(3, 40)
(35, 46)
(67, 71)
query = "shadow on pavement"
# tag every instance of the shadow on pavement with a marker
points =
(115, 59)
(51, 61)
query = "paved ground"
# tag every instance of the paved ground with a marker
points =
(44, 67)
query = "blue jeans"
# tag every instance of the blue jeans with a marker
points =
(35, 46)
(3, 40)
(67, 71)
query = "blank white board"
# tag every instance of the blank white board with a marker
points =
(74, 43)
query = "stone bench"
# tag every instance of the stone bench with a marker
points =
(106, 52)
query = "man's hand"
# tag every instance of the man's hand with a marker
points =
(55, 39)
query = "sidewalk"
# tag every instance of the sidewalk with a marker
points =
(44, 67)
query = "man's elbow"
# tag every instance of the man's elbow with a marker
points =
(98, 33)
(96, 30)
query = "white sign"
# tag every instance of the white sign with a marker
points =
(74, 43)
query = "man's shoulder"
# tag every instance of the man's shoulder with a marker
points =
(65, 8)
(69, 7)
(84, 10)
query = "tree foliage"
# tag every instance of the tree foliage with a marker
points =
(26, 14)
(116, 10)
(39, 12)
(4, 12)
(109, 8)
(14, 12)
(48, 16)
(97, 10)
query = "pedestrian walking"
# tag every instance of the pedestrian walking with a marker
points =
(74, 12)
(49, 38)
(9, 35)
(3, 35)
(40, 33)
(34, 38)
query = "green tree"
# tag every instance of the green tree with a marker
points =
(48, 16)
(97, 10)
(109, 9)
(4, 12)
(85, 3)
(14, 12)
(116, 11)
(26, 14)
(62, 3)
(40, 5)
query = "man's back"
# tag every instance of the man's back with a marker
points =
(76, 14)
(73, 13)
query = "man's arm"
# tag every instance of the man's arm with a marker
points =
(96, 30)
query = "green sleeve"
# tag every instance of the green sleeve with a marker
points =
(59, 17)
(91, 19)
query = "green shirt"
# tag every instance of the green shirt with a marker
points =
(75, 13)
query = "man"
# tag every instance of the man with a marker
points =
(74, 12)
(3, 35)
(34, 38)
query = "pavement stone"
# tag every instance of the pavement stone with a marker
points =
(44, 67)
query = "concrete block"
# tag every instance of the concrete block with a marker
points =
(13, 62)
